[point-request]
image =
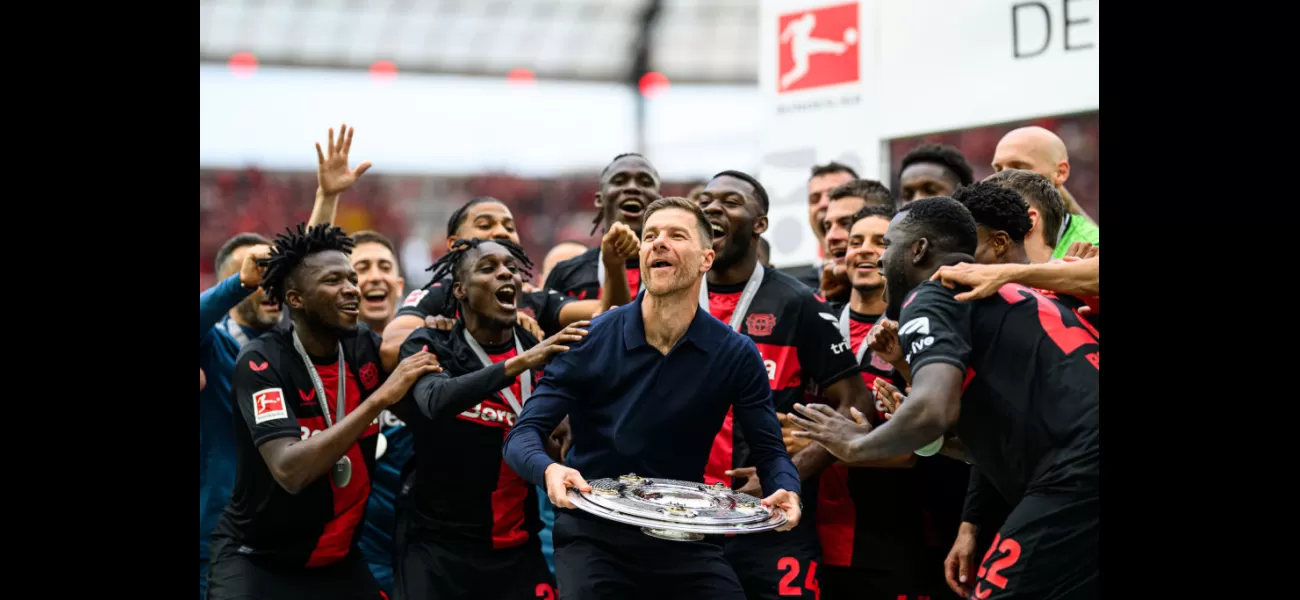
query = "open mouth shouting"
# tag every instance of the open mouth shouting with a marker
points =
(838, 253)
(506, 296)
(631, 206)
(719, 230)
(660, 265)
(376, 298)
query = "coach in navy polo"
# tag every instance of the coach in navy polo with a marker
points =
(646, 393)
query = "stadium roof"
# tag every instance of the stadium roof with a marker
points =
(692, 41)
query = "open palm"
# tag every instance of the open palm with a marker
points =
(332, 171)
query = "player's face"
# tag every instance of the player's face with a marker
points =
(895, 264)
(673, 256)
(839, 218)
(866, 247)
(378, 279)
(819, 197)
(486, 221)
(926, 180)
(629, 186)
(257, 310)
(328, 295)
(734, 218)
(992, 246)
(491, 284)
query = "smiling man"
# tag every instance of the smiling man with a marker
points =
(845, 201)
(627, 186)
(378, 277)
(306, 396)
(796, 335)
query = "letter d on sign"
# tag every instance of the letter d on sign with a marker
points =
(1015, 28)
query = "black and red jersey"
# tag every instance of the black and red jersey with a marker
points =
(543, 305)
(464, 491)
(868, 517)
(800, 342)
(274, 398)
(579, 276)
(1029, 413)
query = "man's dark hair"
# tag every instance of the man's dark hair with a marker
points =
(374, 237)
(701, 221)
(451, 264)
(760, 192)
(235, 243)
(870, 190)
(874, 210)
(940, 154)
(945, 222)
(293, 247)
(458, 216)
(997, 208)
(832, 167)
(1039, 192)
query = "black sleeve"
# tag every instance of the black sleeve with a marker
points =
(438, 394)
(754, 413)
(426, 302)
(823, 352)
(259, 397)
(984, 505)
(549, 303)
(935, 327)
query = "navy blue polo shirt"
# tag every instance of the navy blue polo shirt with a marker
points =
(634, 410)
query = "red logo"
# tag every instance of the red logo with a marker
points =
(256, 367)
(760, 324)
(369, 375)
(269, 402)
(818, 48)
(308, 397)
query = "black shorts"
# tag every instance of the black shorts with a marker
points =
(858, 583)
(1047, 550)
(427, 568)
(597, 560)
(777, 564)
(233, 576)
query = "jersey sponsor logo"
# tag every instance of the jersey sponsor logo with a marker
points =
(308, 398)
(268, 405)
(369, 375)
(390, 420)
(415, 297)
(831, 318)
(840, 346)
(760, 324)
(490, 414)
(918, 346)
(782, 364)
(919, 326)
(256, 367)
(307, 432)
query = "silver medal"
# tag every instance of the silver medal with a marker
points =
(342, 472)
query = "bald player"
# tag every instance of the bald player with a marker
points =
(561, 252)
(1039, 150)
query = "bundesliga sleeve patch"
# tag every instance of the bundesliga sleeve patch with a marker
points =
(268, 405)
(414, 298)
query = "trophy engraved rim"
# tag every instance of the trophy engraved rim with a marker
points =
(676, 510)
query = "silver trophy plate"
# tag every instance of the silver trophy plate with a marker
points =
(676, 510)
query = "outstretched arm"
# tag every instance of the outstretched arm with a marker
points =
(1079, 278)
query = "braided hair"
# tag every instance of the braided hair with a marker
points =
(600, 214)
(450, 264)
(293, 247)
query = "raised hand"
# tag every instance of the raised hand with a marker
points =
(253, 269)
(542, 353)
(619, 245)
(332, 170)
(883, 340)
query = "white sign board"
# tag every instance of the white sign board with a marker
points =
(838, 80)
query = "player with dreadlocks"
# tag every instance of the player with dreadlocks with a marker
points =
(470, 530)
(627, 186)
(488, 218)
(308, 393)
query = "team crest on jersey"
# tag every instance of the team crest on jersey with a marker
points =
(760, 324)
(414, 297)
(268, 405)
(369, 375)
(880, 363)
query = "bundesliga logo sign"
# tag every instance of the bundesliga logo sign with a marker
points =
(818, 48)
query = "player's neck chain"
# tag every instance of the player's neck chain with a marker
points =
(342, 472)
(525, 378)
